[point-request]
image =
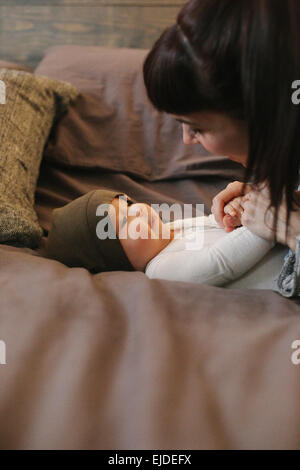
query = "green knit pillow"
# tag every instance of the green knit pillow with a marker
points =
(32, 105)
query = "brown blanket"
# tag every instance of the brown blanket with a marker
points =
(118, 361)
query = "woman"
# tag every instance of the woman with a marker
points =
(225, 70)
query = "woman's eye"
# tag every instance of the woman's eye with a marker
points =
(196, 131)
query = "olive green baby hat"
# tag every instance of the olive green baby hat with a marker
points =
(73, 240)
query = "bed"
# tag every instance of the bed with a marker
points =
(116, 360)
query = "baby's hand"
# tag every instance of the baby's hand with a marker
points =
(234, 211)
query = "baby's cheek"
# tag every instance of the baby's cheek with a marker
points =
(134, 252)
(141, 251)
(148, 249)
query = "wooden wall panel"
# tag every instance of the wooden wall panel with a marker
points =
(92, 2)
(29, 27)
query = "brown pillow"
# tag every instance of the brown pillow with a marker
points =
(33, 104)
(113, 126)
(5, 64)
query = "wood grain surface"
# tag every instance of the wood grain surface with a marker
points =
(29, 27)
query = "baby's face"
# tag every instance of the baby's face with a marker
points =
(140, 231)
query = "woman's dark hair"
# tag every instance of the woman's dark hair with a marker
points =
(238, 57)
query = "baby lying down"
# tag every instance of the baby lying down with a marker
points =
(106, 231)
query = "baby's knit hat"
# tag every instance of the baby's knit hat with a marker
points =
(73, 240)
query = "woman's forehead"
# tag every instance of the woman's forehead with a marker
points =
(201, 118)
(206, 119)
(185, 121)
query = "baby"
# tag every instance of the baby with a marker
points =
(106, 231)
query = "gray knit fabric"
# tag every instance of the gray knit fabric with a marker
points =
(32, 105)
(288, 282)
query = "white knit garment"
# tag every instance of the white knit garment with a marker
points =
(206, 254)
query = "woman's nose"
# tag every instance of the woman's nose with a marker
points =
(188, 138)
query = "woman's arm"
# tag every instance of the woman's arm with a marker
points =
(259, 219)
(255, 207)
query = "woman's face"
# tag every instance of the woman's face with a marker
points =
(218, 133)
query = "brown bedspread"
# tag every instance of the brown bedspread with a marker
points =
(118, 361)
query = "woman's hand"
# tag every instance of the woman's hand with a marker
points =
(227, 206)
(233, 213)
(252, 211)
(257, 218)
